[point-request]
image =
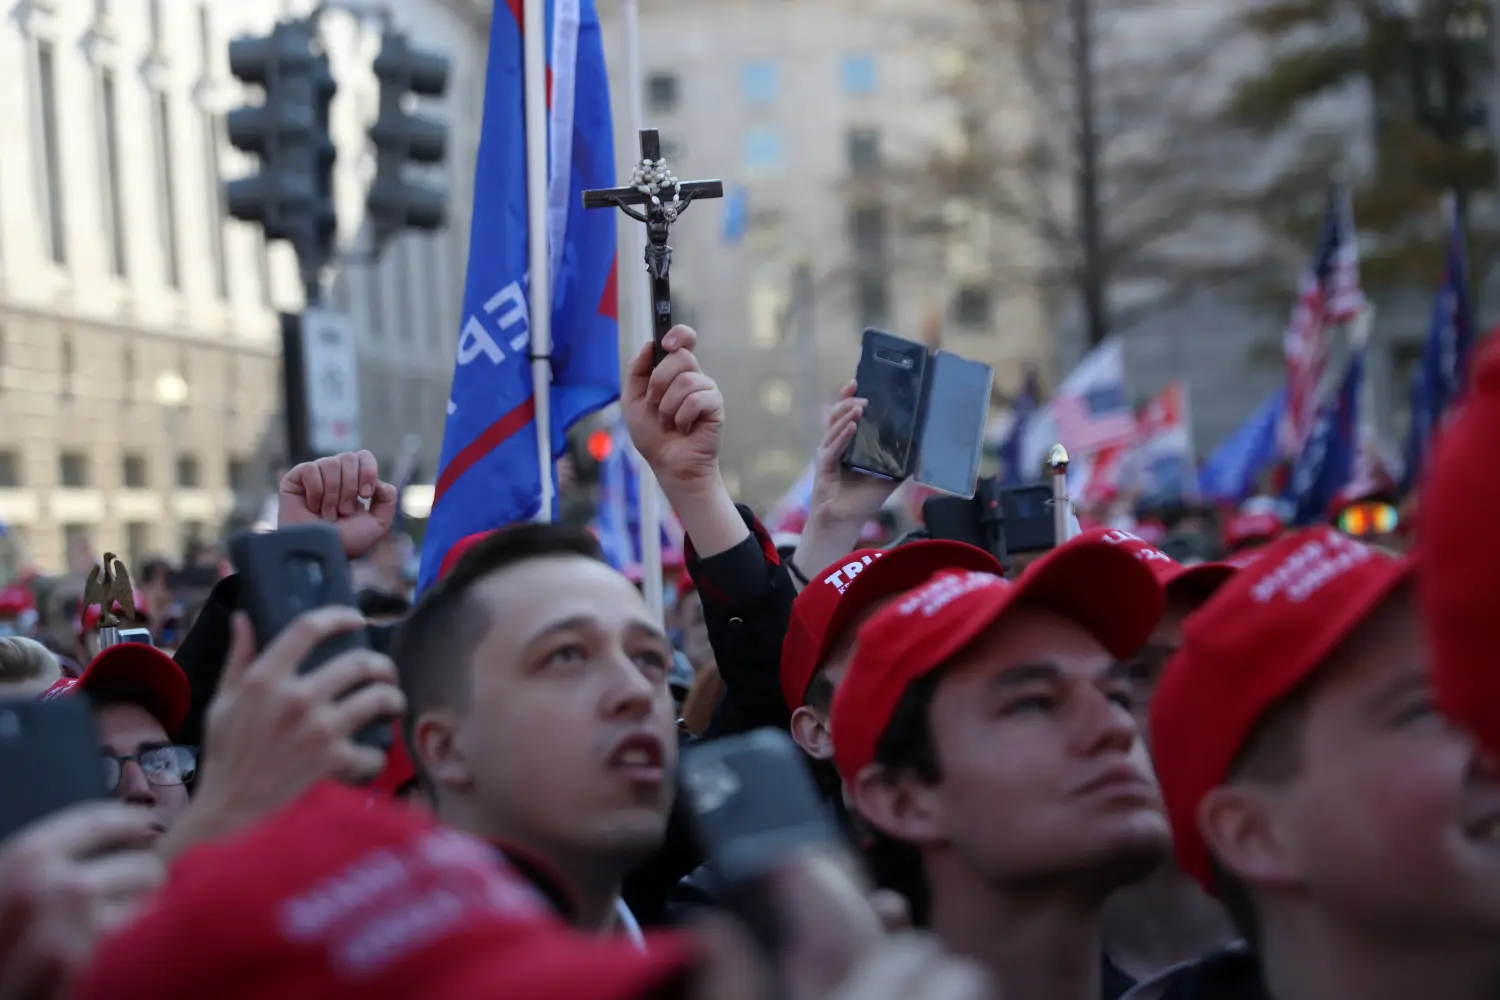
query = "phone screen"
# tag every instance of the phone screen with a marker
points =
(891, 374)
(958, 407)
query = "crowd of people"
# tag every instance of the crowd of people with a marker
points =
(1103, 773)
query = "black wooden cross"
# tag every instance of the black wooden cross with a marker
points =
(661, 205)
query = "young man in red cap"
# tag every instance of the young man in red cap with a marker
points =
(1312, 784)
(140, 698)
(1460, 571)
(987, 725)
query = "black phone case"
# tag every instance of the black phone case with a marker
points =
(753, 805)
(49, 759)
(886, 439)
(291, 571)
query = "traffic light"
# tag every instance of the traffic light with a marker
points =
(291, 197)
(400, 137)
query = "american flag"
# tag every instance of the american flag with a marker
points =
(1091, 409)
(1328, 295)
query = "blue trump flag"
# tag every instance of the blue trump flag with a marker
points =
(617, 521)
(489, 474)
(1230, 472)
(1327, 460)
(1438, 381)
(1010, 448)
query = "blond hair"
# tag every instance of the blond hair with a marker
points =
(26, 662)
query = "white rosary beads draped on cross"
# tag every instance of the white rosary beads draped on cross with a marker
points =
(649, 178)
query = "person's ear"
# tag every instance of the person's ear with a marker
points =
(1248, 831)
(900, 805)
(811, 732)
(440, 751)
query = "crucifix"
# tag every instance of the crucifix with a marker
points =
(662, 199)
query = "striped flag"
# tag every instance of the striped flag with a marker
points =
(1328, 295)
(1089, 413)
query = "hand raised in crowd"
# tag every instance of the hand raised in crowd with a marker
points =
(841, 495)
(64, 882)
(675, 413)
(331, 490)
(272, 732)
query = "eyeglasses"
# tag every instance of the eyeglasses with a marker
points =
(162, 766)
(1364, 519)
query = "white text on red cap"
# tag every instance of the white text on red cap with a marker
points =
(845, 574)
(1310, 567)
(942, 592)
(1146, 553)
(396, 899)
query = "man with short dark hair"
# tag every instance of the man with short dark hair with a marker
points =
(539, 716)
(1312, 785)
(986, 726)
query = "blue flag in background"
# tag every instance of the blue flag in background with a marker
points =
(1438, 381)
(1327, 460)
(489, 474)
(1230, 472)
(1010, 448)
(617, 522)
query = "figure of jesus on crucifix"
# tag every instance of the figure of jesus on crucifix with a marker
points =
(662, 199)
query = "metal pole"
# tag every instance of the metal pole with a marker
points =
(539, 289)
(1494, 101)
(1090, 220)
(650, 499)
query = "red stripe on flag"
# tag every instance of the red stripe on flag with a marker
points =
(493, 436)
(515, 10)
(609, 302)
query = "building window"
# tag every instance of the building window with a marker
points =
(661, 91)
(187, 472)
(68, 364)
(971, 306)
(78, 537)
(873, 297)
(137, 544)
(763, 149)
(166, 188)
(10, 470)
(47, 126)
(133, 471)
(210, 126)
(128, 375)
(758, 83)
(868, 233)
(73, 469)
(862, 146)
(238, 472)
(109, 141)
(859, 76)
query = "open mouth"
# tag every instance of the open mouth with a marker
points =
(639, 758)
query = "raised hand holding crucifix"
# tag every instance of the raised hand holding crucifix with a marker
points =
(662, 199)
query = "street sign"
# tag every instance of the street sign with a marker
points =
(331, 377)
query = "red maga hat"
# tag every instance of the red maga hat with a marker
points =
(144, 673)
(1169, 572)
(835, 597)
(1264, 632)
(1093, 580)
(1459, 577)
(336, 898)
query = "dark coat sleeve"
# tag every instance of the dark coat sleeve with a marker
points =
(747, 598)
(203, 651)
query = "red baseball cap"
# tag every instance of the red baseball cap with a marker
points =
(336, 897)
(1093, 580)
(835, 597)
(150, 677)
(1243, 529)
(1459, 577)
(1170, 573)
(1263, 633)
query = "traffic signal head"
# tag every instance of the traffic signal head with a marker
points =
(291, 196)
(401, 137)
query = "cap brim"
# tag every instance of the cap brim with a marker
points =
(903, 568)
(1102, 587)
(1205, 577)
(143, 668)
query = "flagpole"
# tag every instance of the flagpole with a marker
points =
(640, 312)
(539, 251)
